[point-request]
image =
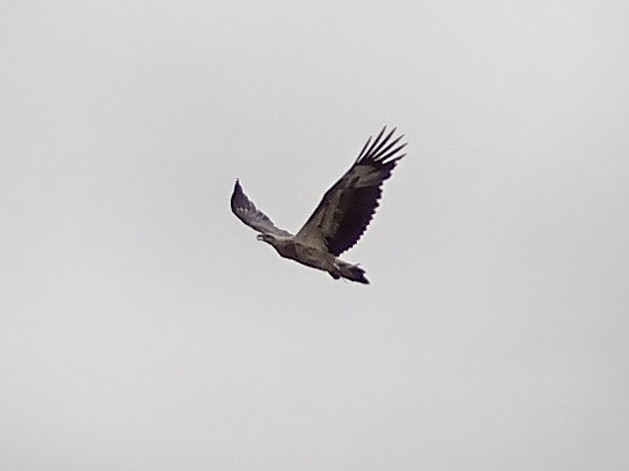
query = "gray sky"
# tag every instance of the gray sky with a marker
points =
(142, 327)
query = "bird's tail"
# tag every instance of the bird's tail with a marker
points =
(353, 273)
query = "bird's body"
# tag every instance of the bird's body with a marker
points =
(315, 257)
(341, 217)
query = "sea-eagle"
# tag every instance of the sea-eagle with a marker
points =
(341, 217)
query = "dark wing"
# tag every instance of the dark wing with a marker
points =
(347, 208)
(246, 211)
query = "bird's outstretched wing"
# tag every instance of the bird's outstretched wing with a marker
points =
(246, 211)
(347, 208)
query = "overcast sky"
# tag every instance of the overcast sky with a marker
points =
(142, 326)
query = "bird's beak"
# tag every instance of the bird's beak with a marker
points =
(259, 237)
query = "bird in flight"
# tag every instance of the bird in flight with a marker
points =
(341, 217)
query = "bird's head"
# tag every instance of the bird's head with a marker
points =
(268, 238)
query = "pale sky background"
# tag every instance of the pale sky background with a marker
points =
(142, 326)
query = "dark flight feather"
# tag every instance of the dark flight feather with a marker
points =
(346, 209)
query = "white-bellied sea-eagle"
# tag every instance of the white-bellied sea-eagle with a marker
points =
(341, 217)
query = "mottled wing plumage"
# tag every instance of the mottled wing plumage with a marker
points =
(247, 212)
(347, 208)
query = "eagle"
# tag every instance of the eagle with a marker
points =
(340, 219)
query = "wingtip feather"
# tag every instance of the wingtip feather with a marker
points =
(379, 149)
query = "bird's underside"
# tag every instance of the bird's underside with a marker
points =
(341, 217)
